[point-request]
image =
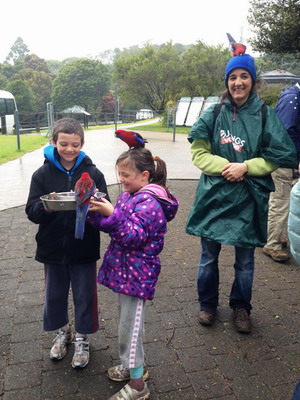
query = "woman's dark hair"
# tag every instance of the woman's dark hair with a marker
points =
(142, 160)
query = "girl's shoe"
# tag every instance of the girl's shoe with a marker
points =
(128, 393)
(119, 373)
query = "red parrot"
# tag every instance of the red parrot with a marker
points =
(236, 48)
(133, 139)
(84, 189)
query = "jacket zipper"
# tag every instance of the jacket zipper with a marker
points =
(65, 220)
(234, 114)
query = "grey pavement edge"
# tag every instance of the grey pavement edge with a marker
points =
(186, 360)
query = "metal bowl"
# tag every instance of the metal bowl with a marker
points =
(64, 201)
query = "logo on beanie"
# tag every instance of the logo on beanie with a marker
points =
(227, 138)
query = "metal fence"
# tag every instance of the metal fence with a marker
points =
(35, 122)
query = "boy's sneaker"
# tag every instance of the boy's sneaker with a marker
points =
(128, 393)
(119, 373)
(82, 353)
(61, 341)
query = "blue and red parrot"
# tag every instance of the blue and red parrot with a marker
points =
(84, 189)
(237, 48)
(133, 139)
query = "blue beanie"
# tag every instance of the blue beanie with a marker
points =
(244, 61)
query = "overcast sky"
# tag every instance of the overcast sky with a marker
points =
(58, 29)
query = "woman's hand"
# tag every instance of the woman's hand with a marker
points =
(234, 172)
(103, 207)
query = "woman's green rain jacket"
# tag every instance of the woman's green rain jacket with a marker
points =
(235, 213)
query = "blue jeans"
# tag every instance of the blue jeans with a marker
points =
(296, 395)
(208, 277)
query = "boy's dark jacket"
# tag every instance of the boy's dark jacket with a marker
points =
(55, 237)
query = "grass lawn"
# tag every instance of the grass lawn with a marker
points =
(9, 146)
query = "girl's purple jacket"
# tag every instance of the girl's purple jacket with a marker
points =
(137, 228)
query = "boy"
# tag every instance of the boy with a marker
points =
(67, 261)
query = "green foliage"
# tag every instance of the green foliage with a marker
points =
(277, 25)
(23, 94)
(203, 70)
(40, 84)
(35, 73)
(159, 74)
(17, 51)
(148, 77)
(31, 61)
(270, 62)
(81, 82)
(9, 146)
(54, 66)
(270, 93)
(3, 82)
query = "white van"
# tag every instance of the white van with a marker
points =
(7, 109)
(144, 113)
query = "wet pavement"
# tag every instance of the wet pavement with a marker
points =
(186, 360)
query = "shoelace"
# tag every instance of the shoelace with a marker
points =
(81, 346)
(60, 338)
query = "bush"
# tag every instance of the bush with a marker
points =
(270, 93)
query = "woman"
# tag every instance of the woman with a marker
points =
(236, 151)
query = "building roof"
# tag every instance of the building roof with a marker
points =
(279, 76)
(75, 110)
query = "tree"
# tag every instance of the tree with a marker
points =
(82, 82)
(270, 93)
(35, 72)
(148, 77)
(54, 66)
(203, 68)
(269, 62)
(108, 102)
(17, 51)
(35, 63)
(277, 25)
(23, 94)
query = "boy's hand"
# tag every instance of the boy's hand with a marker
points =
(103, 207)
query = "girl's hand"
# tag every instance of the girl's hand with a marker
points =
(103, 207)
(234, 172)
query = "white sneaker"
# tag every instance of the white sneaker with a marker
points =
(82, 353)
(61, 341)
(128, 393)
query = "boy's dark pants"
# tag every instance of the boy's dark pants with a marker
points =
(82, 279)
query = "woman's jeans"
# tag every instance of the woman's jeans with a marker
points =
(208, 277)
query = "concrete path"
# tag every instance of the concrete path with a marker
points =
(186, 360)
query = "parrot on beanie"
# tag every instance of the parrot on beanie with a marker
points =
(237, 49)
(84, 189)
(133, 139)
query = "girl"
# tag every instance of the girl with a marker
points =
(137, 226)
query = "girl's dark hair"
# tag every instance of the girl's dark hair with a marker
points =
(142, 160)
